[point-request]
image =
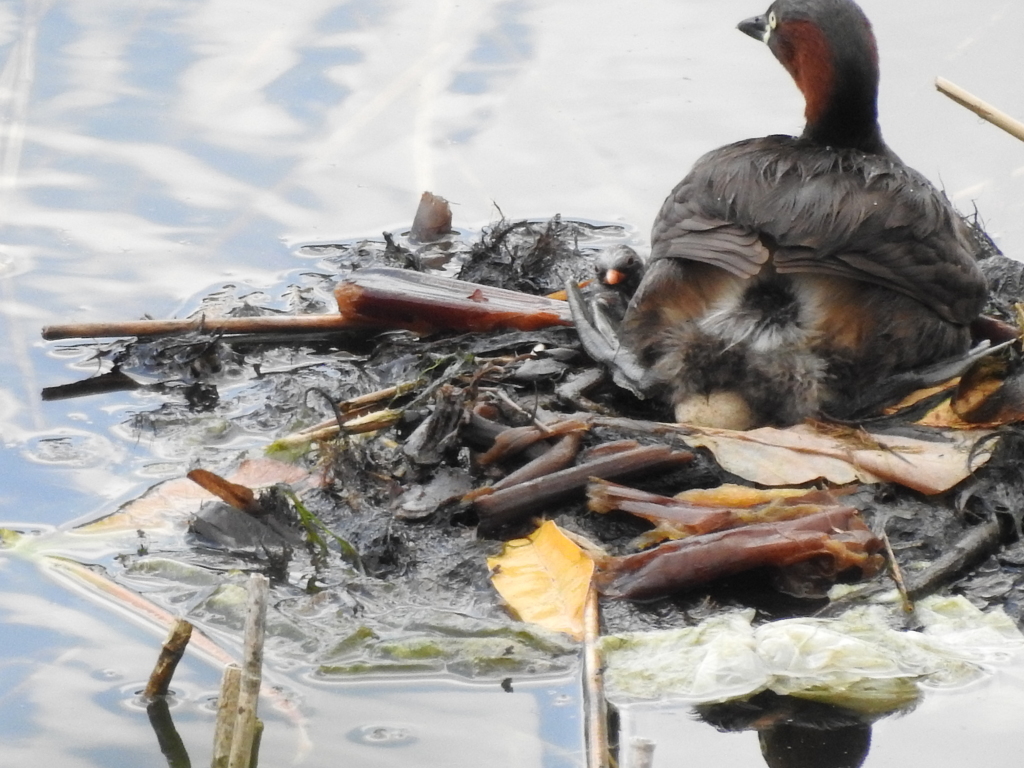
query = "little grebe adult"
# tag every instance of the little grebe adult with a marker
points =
(790, 275)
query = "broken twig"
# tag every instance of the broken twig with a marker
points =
(508, 506)
(232, 326)
(170, 654)
(897, 574)
(976, 545)
(327, 430)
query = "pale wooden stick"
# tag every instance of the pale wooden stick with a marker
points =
(252, 673)
(983, 109)
(227, 710)
(170, 654)
(597, 709)
(370, 422)
(226, 325)
(361, 419)
(381, 395)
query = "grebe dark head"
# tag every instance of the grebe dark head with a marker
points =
(829, 49)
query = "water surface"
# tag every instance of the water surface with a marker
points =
(153, 151)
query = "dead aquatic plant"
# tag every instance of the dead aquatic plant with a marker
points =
(279, 507)
(318, 535)
(836, 538)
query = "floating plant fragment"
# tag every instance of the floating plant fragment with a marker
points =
(858, 661)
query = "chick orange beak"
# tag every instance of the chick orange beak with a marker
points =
(614, 277)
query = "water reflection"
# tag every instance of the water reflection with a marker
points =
(151, 152)
(797, 733)
(152, 147)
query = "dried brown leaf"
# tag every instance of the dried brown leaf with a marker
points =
(803, 454)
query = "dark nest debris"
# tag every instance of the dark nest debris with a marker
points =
(383, 565)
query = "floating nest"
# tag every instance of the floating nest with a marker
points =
(378, 555)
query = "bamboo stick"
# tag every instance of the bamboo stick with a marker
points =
(981, 108)
(170, 654)
(252, 674)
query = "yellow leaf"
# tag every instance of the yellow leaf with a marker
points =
(989, 395)
(921, 394)
(545, 579)
(943, 416)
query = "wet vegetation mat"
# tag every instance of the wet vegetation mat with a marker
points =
(391, 477)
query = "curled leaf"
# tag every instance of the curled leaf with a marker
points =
(836, 537)
(807, 453)
(735, 495)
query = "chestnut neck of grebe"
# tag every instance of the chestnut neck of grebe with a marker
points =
(829, 49)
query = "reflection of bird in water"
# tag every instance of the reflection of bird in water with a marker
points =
(788, 276)
(796, 733)
(795, 746)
